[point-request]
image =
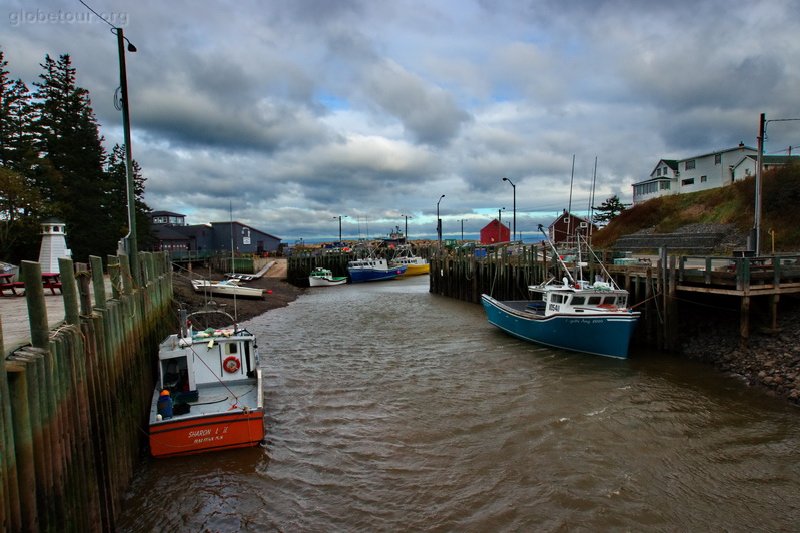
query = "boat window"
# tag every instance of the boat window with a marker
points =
(609, 300)
(175, 374)
(594, 300)
(231, 348)
(578, 300)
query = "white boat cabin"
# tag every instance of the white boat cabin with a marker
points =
(580, 298)
(206, 357)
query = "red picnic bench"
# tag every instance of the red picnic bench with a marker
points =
(52, 281)
(7, 285)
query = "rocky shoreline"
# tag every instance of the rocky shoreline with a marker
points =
(769, 361)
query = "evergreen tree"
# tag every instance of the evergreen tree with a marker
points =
(20, 198)
(16, 121)
(119, 194)
(608, 210)
(69, 139)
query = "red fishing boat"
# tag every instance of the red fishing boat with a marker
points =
(209, 392)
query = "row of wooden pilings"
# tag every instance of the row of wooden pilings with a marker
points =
(506, 271)
(74, 401)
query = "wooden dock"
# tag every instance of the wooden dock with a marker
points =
(74, 398)
(658, 289)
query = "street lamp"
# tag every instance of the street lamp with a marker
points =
(406, 217)
(462, 230)
(514, 233)
(340, 226)
(439, 222)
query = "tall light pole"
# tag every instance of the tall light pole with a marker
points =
(129, 241)
(514, 187)
(406, 217)
(132, 247)
(340, 225)
(439, 222)
(462, 230)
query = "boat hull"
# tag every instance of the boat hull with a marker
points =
(206, 433)
(326, 282)
(417, 270)
(602, 333)
(364, 275)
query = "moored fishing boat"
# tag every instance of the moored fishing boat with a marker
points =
(415, 265)
(572, 314)
(373, 269)
(322, 277)
(208, 396)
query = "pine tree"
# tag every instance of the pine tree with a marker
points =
(20, 199)
(70, 141)
(608, 210)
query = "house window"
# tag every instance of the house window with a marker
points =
(688, 165)
(664, 186)
(717, 159)
(687, 181)
(703, 179)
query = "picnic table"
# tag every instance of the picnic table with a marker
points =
(52, 281)
(6, 284)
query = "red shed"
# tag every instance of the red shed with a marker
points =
(494, 232)
(564, 228)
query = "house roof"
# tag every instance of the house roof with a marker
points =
(740, 147)
(165, 214)
(571, 215)
(245, 226)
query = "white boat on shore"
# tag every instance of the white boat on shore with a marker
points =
(228, 287)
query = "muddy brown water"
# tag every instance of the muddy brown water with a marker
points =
(391, 409)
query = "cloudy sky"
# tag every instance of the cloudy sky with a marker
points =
(296, 112)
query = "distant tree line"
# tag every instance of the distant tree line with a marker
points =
(53, 164)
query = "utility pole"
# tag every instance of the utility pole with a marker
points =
(132, 247)
(759, 170)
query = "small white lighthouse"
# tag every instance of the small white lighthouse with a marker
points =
(54, 245)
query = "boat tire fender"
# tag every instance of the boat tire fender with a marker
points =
(231, 364)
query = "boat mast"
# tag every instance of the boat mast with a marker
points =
(233, 263)
(555, 252)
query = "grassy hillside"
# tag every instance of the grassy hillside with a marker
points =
(733, 204)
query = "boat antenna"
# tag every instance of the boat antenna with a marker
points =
(591, 200)
(555, 253)
(233, 264)
(569, 206)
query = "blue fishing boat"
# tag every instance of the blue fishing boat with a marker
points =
(373, 269)
(572, 314)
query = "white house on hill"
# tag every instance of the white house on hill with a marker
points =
(746, 167)
(696, 173)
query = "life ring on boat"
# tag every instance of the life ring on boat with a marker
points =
(231, 364)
